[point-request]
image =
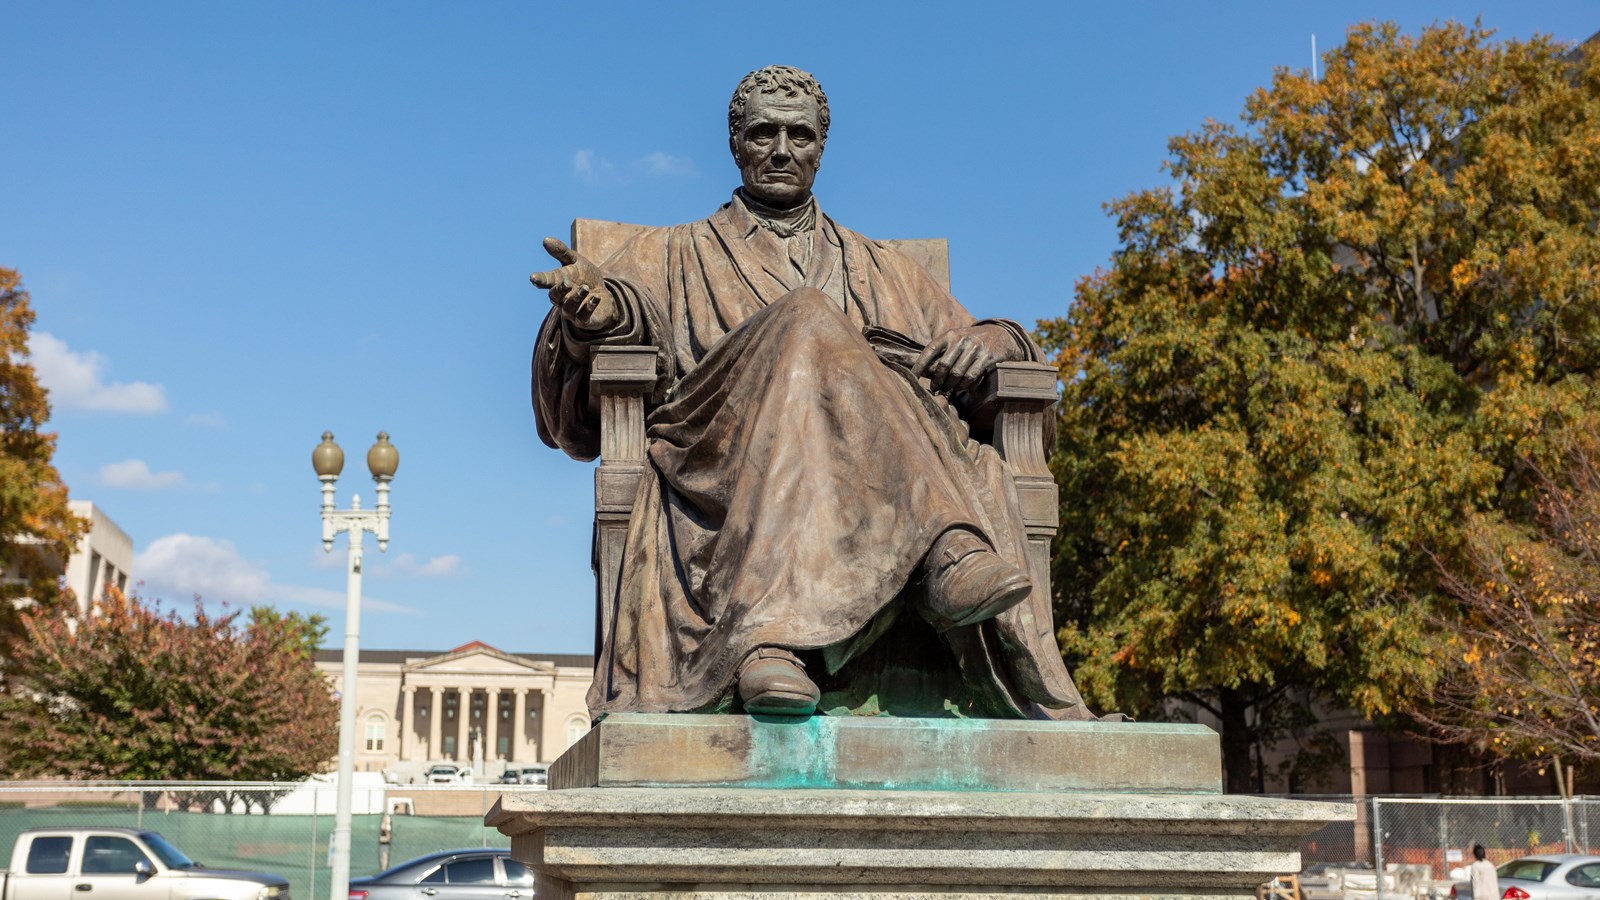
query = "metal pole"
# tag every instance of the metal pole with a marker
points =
(339, 888)
(1377, 847)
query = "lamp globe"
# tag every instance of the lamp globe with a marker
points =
(383, 459)
(327, 459)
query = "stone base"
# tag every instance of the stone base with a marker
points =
(614, 843)
(642, 750)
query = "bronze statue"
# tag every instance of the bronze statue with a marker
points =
(815, 523)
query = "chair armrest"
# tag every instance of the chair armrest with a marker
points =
(619, 380)
(1012, 407)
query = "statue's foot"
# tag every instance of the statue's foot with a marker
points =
(773, 681)
(967, 582)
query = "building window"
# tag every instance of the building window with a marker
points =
(449, 746)
(375, 730)
(577, 727)
(451, 700)
(502, 747)
(477, 706)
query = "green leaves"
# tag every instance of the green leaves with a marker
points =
(132, 693)
(1315, 356)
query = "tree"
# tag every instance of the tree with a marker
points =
(1310, 360)
(37, 531)
(1526, 678)
(134, 693)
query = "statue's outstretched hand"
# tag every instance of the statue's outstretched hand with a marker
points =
(578, 289)
(959, 358)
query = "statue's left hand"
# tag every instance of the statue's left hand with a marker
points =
(957, 359)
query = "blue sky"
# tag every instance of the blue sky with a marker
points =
(242, 225)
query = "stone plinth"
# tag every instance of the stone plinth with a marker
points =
(615, 843)
(742, 807)
(640, 750)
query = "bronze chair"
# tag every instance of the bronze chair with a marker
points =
(1011, 412)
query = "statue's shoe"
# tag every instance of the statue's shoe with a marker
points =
(772, 681)
(966, 582)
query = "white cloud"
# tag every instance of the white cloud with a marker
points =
(186, 564)
(659, 163)
(406, 565)
(206, 420)
(594, 169)
(591, 168)
(182, 565)
(77, 380)
(135, 475)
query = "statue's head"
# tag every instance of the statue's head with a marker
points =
(777, 126)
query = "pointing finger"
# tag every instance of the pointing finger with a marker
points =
(560, 251)
(546, 280)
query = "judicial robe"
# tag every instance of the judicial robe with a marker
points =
(796, 480)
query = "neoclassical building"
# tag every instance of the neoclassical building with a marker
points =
(418, 707)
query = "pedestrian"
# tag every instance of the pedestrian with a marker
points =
(385, 838)
(1485, 883)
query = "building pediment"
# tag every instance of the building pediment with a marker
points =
(478, 658)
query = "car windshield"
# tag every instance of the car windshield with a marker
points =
(1527, 869)
(170, 856)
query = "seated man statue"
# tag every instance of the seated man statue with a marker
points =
(815, 521)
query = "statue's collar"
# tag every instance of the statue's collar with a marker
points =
(750, 214)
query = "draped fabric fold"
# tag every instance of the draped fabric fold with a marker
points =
(797, 480)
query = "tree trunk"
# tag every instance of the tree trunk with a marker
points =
(1237, 770)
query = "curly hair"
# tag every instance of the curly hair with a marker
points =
(771, 80)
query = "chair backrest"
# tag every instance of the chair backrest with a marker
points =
(598, 239)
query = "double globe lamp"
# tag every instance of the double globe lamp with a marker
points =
(328, 460)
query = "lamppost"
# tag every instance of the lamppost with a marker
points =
(328, 460)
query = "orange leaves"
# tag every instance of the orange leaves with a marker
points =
(33, 501)
(1316, 357)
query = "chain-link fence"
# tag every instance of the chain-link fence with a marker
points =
(1398, 848)
(1417, 847)
(277, 828)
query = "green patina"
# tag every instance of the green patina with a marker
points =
(794, 752)
(803, 752)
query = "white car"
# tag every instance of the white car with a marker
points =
(448, 774)
(1555, 876)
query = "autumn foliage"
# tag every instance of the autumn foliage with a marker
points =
(1521, 675)
(132, 693)
(1319, 352)
(37, 531)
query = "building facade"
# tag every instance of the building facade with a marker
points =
(102, 559)
(475, 705)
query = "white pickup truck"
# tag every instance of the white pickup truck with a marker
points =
(121, 864)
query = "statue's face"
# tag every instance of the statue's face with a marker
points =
(779, 148)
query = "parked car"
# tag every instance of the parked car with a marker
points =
(1555, 876)
(476, 874)
(445, 773)
(122, 864)
(526, 774)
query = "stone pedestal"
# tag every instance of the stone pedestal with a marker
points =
(931, 808)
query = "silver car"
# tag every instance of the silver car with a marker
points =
(476, 874)
(1555, 876)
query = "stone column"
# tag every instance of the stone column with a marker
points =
(519, 712)
(491, 725)
(553, 731)
(408, 712)
(435, 713)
